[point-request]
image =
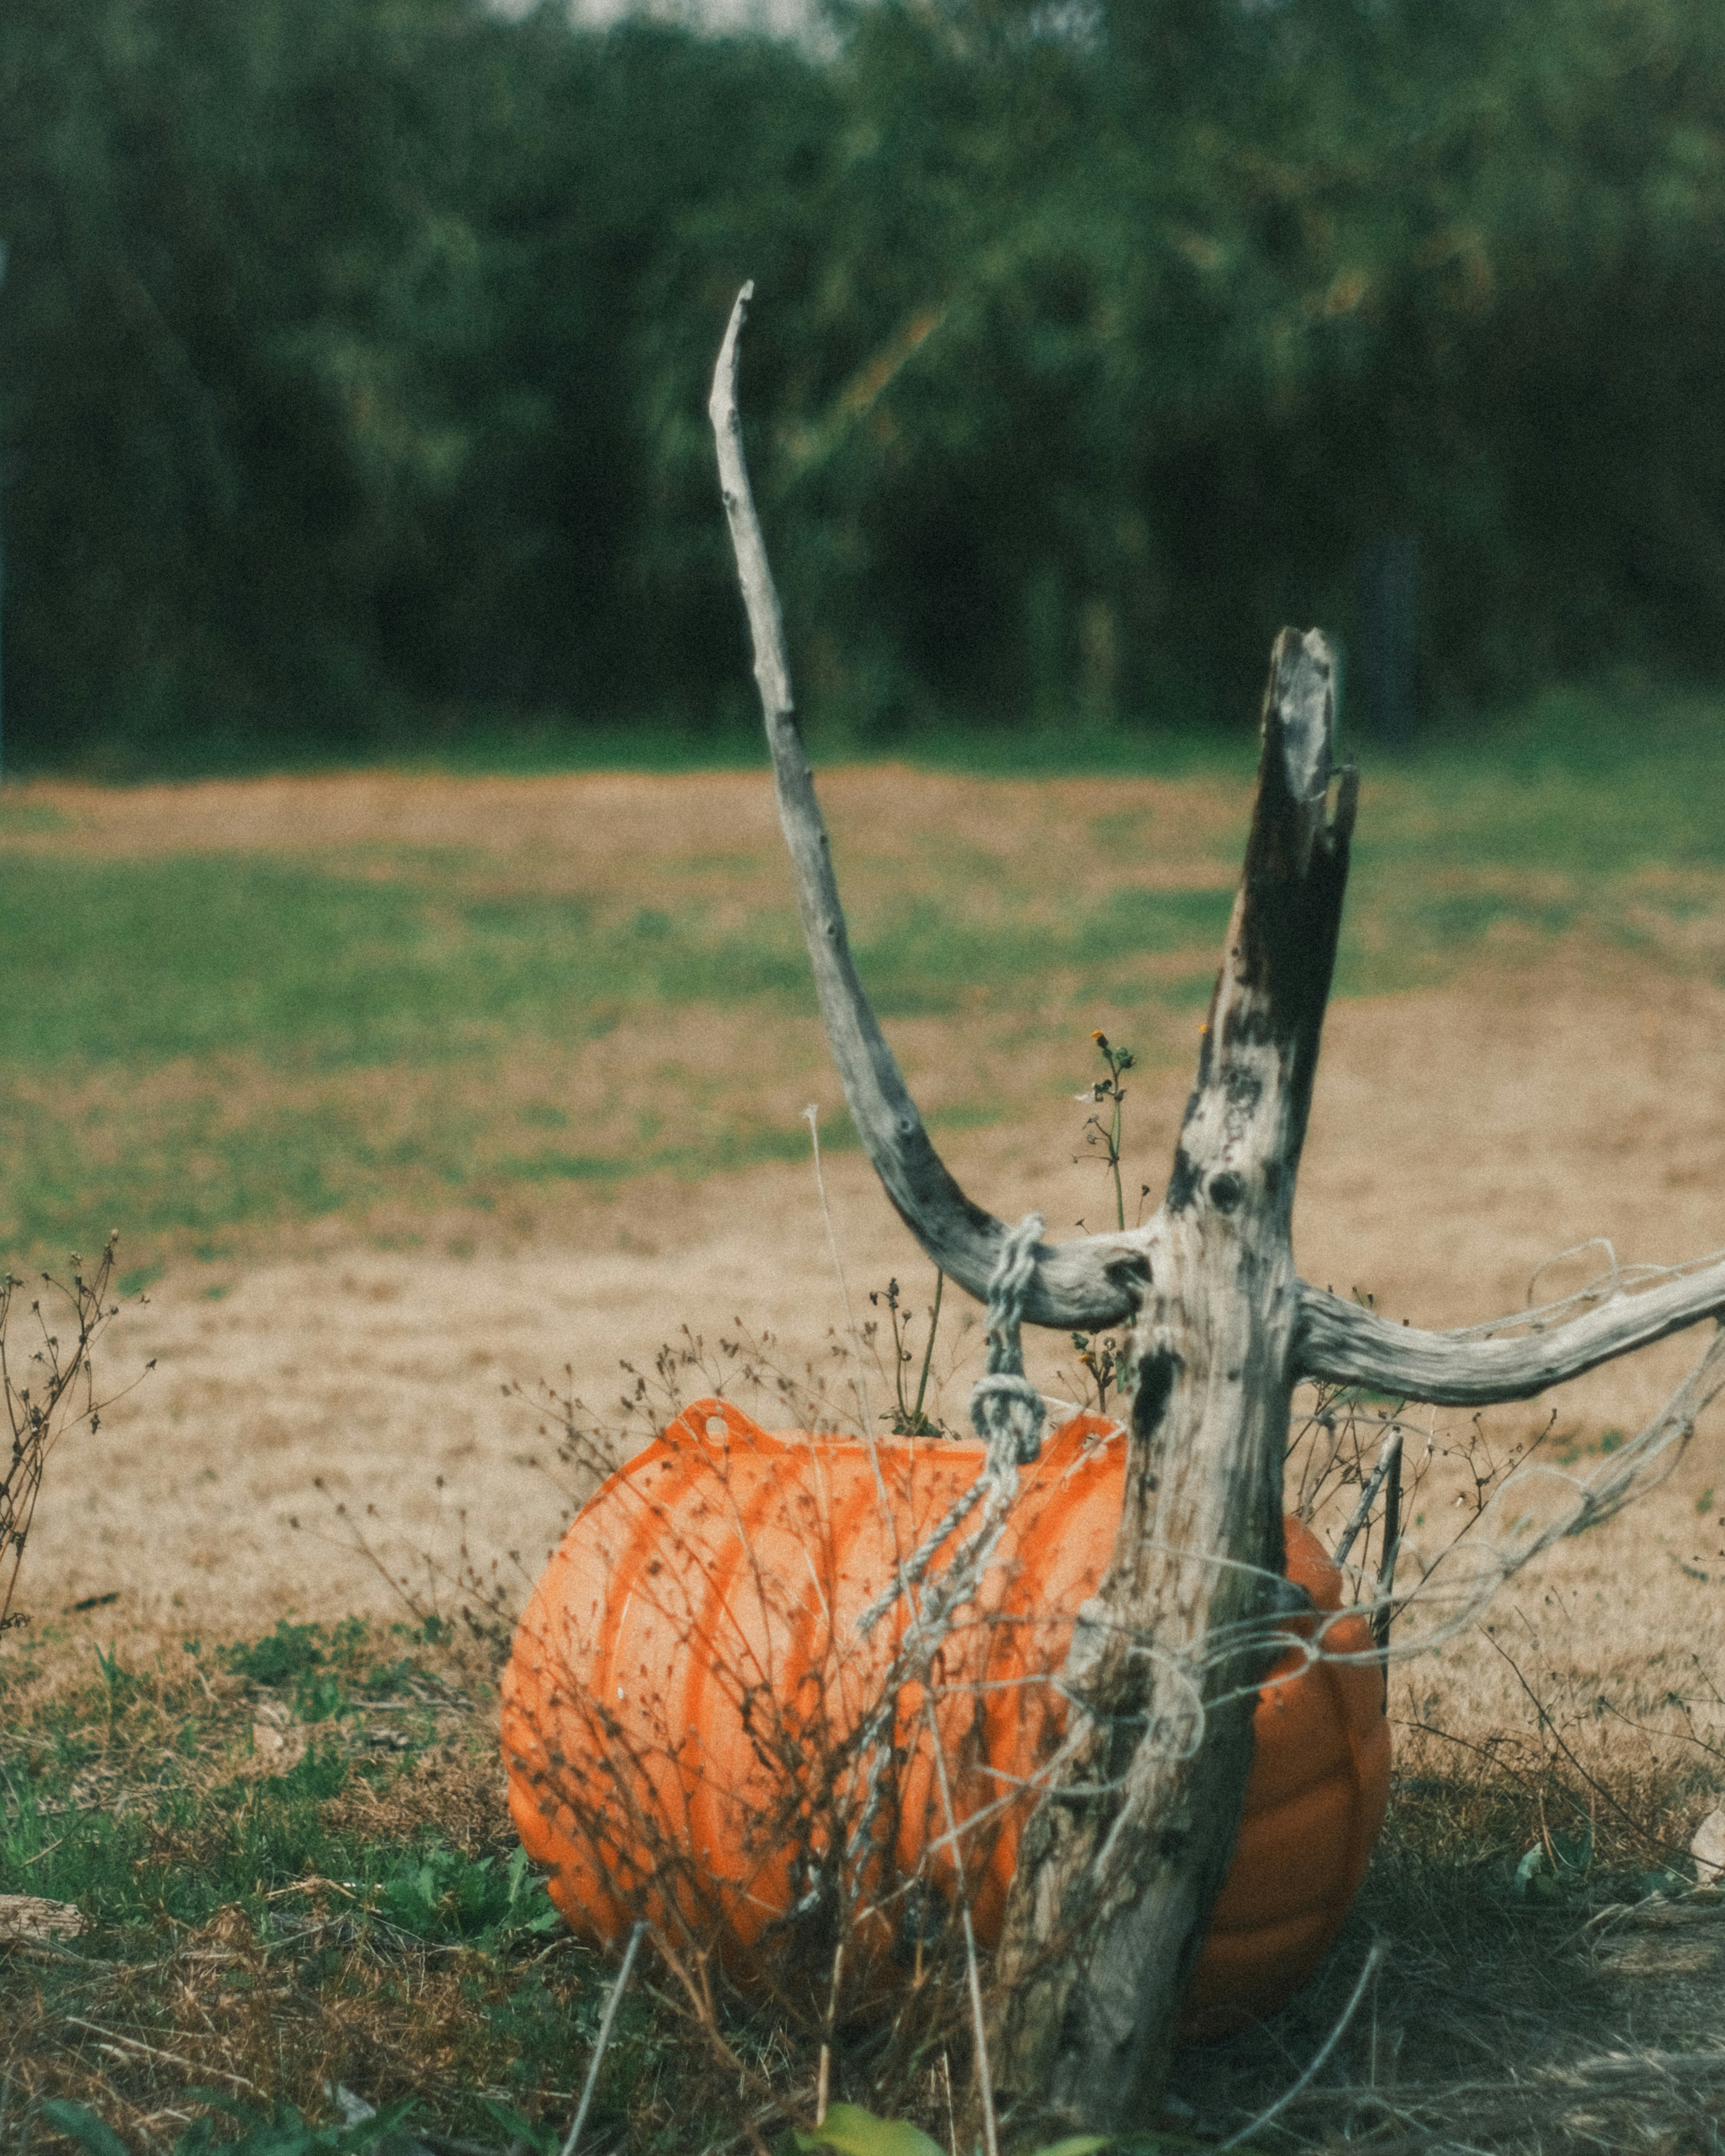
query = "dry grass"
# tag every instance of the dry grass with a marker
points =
(1566, 2007)
(1526, 1053)
(246, 1879)
(243, 1830)
(1442, 1168)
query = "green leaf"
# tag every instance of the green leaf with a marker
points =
(343, 2141)
(81, 2125)
(1077, 2144)
(854, 2131)
(515, 2127)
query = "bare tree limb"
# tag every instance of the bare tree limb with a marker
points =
(1345, 1345)
(1098, 1280)
(1091, 1282)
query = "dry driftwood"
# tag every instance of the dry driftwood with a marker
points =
(1117, 1871)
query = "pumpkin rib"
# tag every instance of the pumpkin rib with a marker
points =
(1290, 1860)
(734, 1580)
(747, 1887)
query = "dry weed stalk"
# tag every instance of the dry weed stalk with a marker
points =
(875, 1967)
(870, 1805)
(50, 1388)
(1505, 1501)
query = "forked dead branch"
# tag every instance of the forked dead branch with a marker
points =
(1120, 1864)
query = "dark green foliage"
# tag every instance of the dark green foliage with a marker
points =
(79, 2124)
(353, 358)
(441, 1894)
(250, 2130)
(291, 1650)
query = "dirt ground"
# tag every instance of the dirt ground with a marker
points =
(1462, 1136)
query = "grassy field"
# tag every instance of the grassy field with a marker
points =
(429, 1020)
(292, 1874)
(216, 1030)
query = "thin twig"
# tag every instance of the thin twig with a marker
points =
(984, 2075)
(604, 2035)
(826, 2039)
(811, 1116)
(1387, 1554)
(934, 1320)
(1257, 2125)
(167, 2058)
(1391, 1453)
(1549, 1726)
(700, 1998)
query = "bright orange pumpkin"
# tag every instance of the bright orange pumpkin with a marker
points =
(683, 1701)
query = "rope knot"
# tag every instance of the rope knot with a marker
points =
(1008, 1412)
(1006, 1409)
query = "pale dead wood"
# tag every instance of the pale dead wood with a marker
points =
(1119, 1866)
(31, 1918)
(1459, 1583)
(1092, 1281)
(1088, 1282)
(1113, 1893)
(1345, 1345)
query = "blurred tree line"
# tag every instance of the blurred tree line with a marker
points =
(353, 356)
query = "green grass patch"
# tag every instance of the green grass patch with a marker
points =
(200, 1045)
(254, 1932)
(376, 1858)
(138, 963)
(259, 1930)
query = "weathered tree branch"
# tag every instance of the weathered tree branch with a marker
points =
(1093, 1281)
(1118, 1868)
(1348, 1346)
(1097, 1280)
(1112, 1893)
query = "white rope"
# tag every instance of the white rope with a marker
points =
(1007, 1413)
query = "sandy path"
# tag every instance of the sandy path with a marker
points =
(1460, 1137)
